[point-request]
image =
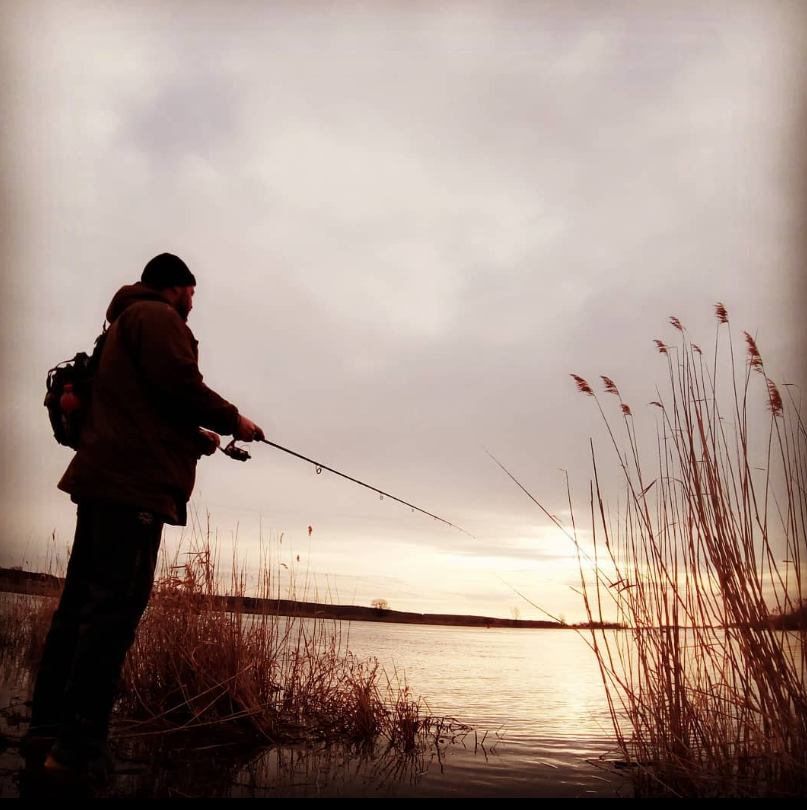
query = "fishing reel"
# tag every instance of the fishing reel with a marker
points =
(235, 452)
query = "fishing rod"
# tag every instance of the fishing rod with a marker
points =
(242, 454)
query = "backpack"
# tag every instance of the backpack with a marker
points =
(69, 392)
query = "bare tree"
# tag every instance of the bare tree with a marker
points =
(380, 604)
(516, 612)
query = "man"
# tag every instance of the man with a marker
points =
(150, 419)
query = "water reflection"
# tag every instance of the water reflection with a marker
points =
(181, 767)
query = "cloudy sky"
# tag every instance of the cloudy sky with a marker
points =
(409, 223)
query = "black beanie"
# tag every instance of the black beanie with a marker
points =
(167, 270)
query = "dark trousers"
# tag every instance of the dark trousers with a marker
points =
(109, 579)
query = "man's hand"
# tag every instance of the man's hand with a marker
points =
(248, 431)
(209, 442)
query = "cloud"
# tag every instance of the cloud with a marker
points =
(410, 224)
(194, 116)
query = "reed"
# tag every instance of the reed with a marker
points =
(702, 561)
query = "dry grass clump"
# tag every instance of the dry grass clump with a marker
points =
(25, 618)
(702, 559)
(198, 664)
(24, 623)
(199, 667)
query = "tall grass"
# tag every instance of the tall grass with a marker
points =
(200, 668)
(708, 697)
(197, 664)
(701, 558)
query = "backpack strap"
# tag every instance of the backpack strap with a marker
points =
(95, 357)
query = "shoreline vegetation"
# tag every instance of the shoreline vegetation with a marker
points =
(212, 676)
(708, 529)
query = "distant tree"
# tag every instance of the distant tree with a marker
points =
(380, 604)
(516, 612)
(562, 618)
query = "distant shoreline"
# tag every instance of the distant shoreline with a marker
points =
(35, 584)
(13, 580)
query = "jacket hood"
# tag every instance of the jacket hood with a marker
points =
(131, 294)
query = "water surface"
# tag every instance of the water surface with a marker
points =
(534, 699)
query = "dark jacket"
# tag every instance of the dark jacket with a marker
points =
(140, 440)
